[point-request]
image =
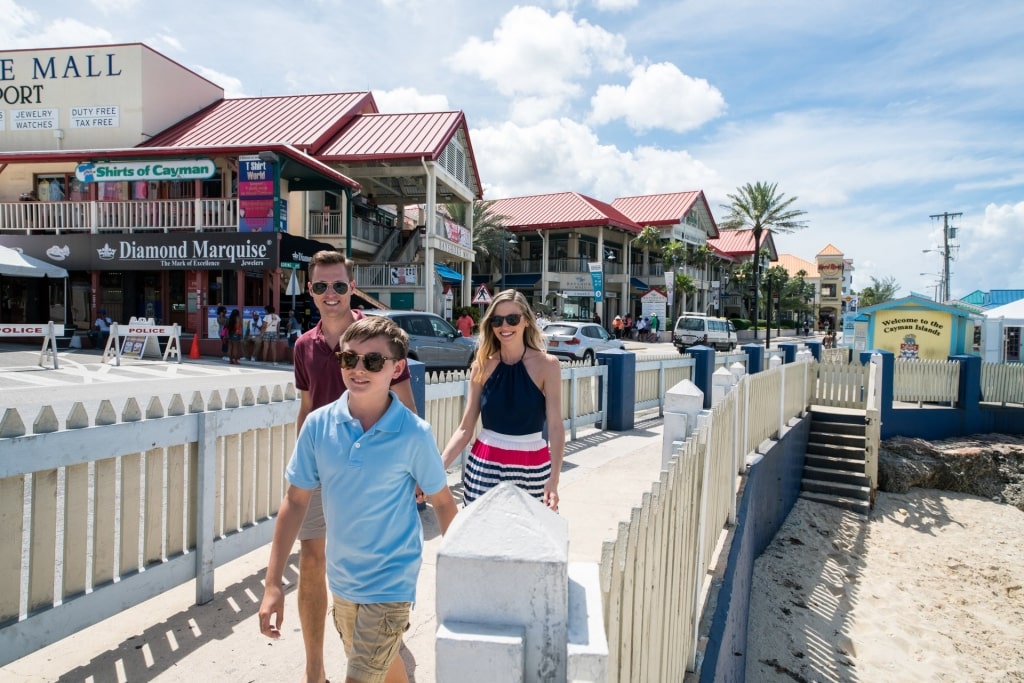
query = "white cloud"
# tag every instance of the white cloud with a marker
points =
(566, 156)
(232, 86)
(407, 100)
(536, 54)
(659, 96)
(615, 5)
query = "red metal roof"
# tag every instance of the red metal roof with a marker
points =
(378, 136)
(741, 243)
(560, 210)
(664, 209)
(302, 121)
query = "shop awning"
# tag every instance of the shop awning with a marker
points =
(13, 263)
(637, 283)
(447, 274)
(480, 279)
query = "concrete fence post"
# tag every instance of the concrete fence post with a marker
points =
(703, 369)
(620, 412)
(789, 350)
(755, 358)
(509, 605)
(814, 346)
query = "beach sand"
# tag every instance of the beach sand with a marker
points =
(929, 588)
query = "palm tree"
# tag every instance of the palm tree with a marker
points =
(685, 285)
(649, 240)
(759, 208)
(489, 235)
(675, 253)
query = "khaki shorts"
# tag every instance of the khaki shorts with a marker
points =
(314, 525)
(371, 634)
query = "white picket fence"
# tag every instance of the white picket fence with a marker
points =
(920, 381)
(1002, 383)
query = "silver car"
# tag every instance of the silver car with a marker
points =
(432, 340)
(579, 341)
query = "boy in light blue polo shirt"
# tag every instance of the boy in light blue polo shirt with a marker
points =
(368, 452)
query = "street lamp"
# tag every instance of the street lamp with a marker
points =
(511, 240)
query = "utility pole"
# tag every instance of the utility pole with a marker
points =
(947, 233)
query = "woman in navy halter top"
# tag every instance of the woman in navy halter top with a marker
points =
(515, 387)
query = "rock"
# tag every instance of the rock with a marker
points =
(987, 465)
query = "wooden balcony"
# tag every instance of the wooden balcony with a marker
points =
(165, 215)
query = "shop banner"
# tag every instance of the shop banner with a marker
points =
(597, 281)
(161, 251)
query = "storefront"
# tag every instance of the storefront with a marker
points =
(171, 278)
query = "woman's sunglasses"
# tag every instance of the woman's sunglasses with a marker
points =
(372, 362)
(321, 287)
(512, 319)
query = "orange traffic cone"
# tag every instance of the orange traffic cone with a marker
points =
(194, 351)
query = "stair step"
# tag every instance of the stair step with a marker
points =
(857, 479)
(828, 462)
(859, 506)
(852, 428)
(838, 439)
(854, 491)
(835, 451)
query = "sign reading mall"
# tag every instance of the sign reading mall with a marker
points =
(152, 252)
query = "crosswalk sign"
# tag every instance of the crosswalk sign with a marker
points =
(482, 296)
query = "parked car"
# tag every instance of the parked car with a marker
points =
(691, 330)
(433, 340)
(579, 341)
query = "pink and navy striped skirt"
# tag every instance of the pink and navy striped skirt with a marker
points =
(522, 460)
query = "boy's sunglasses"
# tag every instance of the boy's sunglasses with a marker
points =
(372, 362)
(512, 319)
(321, 287)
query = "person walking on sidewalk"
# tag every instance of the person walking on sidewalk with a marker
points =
(254, 339)
(366, 452)
(234, 325)
(320, 382)
(271, 321)
(515, 386)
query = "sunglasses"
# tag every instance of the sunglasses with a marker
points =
(512, 319)
(372, 362)
(321, 287)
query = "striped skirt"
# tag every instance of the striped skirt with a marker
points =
(522, 460)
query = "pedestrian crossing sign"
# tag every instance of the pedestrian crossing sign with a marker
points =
(482, 296)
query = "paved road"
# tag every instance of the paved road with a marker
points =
(83, 377)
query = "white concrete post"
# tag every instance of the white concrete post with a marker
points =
(683, 403)
(722, 382)
(738, 370)
(503, 591)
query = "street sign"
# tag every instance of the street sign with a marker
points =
(293, 286)
(482, 296)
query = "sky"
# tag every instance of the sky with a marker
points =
(874, 115)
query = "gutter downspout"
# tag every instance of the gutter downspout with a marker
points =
(348, 222)
(428, 252)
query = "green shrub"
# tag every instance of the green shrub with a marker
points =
(740, 323)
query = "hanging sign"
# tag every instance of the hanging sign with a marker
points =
(482, 296)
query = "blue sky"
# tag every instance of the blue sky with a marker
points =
(875, 115)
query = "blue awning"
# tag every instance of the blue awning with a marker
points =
(637, 283)
(480, 279)
(447, 274)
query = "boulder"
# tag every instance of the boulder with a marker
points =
(987, 465)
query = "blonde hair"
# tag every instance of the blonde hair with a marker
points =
(489, 343)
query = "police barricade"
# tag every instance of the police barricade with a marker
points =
(48, 331)
(141, 336)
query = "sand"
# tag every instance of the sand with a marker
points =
(929, 588)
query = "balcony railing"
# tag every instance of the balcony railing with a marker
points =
(163, 215)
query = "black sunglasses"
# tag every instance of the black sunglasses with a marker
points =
(512, 319)
(372, 362)
(321, 287)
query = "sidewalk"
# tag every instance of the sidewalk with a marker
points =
(170, 639)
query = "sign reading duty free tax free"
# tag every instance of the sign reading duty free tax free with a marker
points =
(169, 169)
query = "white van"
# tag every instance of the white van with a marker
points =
(692, 329)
